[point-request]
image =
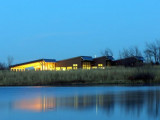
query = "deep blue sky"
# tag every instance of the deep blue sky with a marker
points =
(33, 29)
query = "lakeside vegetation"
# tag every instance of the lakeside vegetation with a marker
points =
(113, 75)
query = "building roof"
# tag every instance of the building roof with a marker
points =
(133, 57)
(46, 60)
(84, 58)
(139, 58)
(106, 57)
(87, 58)
(110, 58)
(49, 60)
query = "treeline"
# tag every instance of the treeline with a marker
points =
(5, 66)
(151, 52)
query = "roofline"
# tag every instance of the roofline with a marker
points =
(27, 62)
(99, 57)
(74, 58)
(102, 57)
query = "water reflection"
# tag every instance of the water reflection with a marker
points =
(35, 104)
(132, 102)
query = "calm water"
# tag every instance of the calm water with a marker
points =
(80, 103)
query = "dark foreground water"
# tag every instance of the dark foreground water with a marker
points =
(80, 103)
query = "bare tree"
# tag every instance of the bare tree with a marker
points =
(158, 47)
(10, 61)
(107, 52)
(148, 56)
(126, 53)
(130, 52)
(152, 51)
(2, 66)
(136, 51)
(120, 55)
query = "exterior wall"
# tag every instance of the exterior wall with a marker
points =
(129, 62)
(101, 60)
(69, 63)
(73, 63)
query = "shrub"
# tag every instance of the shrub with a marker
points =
(146, 77)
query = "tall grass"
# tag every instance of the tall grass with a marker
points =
(113, 75)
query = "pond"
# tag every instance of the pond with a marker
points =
(80, 103)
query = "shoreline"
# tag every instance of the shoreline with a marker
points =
(85, 85)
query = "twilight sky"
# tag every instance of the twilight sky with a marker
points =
(34, 29)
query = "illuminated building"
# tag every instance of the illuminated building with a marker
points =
(37, 65)
(102, 62)
(83, 62)
(80, 62)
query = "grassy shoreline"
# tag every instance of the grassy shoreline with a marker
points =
(110, 76)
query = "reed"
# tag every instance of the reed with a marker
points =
(113, 75)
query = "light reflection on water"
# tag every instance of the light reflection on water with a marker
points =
(94, 104)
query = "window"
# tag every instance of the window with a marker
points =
(13, 69)
(63, 68)
(100, 66)
(69, 68)
(86, 65)
(75, 66)
(58, 68)
(94, 67)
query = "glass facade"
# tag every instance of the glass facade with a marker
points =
(86, 65)
(37, 66)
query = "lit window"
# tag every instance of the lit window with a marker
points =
(69, 68)
(86, 65)
(100, 65)
(94, 67)
(58, 68)
(75, 66)
(63, 68)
